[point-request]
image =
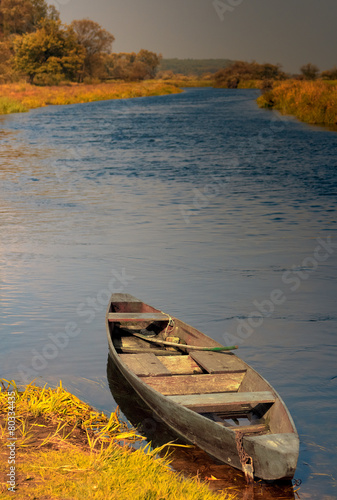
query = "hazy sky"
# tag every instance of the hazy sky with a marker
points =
(289, 32)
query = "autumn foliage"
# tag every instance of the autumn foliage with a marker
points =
(49, 54)
(35, 45)
(241, 71)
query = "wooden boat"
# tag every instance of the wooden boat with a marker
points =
(207, 395)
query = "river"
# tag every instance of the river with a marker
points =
(200, 204)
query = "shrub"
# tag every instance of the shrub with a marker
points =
(48, 79)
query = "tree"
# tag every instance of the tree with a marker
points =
(330, 74)
(15, 16)
(232, 75)
(6, 70)
(132, 66)
(270, 72)
(309, 71)
(96, 41)
(23, 16)
(118, 65)
(41, 10)
(150, 62)
(50, 54)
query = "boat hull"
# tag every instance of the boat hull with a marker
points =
(274, 455)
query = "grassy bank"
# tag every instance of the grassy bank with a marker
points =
(188, 81)
(313, 102)
(65, 449)
(22, 97)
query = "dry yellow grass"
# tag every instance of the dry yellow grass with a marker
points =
(64, 449)
(18, 97)
(310, 101)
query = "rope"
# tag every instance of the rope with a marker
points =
(170, 324)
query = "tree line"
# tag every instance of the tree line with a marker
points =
(34, 44)
(193, 67)
(240, 71)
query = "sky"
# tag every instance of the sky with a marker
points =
(286, 32)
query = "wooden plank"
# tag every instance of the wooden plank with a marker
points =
(217, 402)
(136, 317)
(129, 342)
(145, 364)
(195, 384)
(218, 362)
(132, 345)
(181, 365)
(140, 350)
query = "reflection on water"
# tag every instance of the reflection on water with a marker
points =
(190, 461)
(201, 205)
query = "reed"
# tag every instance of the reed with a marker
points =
(66, 449)
(313, 102)
(27, 96)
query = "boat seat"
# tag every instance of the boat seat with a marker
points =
(218, 362)
(181, 364)
(117, 317)
(145, 365)
(221, 402)
(201, 383)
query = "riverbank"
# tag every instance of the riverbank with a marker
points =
(313, 102)
(189, 81)
(21, 97)
(54, 446)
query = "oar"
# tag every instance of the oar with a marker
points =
(185, 346)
